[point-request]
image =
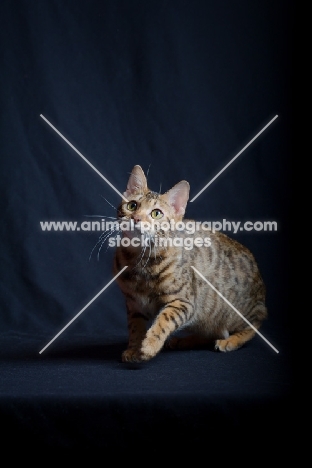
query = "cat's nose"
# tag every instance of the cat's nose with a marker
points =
(136, 219)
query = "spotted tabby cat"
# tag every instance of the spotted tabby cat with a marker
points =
(165, 294)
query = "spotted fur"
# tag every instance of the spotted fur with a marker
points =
(165, 295)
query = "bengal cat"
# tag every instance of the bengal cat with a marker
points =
(162, 284)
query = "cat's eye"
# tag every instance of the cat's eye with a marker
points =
(132, 205)
(157, 214)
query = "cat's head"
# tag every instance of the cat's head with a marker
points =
(146, 206)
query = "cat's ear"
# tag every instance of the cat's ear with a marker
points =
(137, 182)
(178, 196)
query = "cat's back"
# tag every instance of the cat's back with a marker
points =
(229, 264)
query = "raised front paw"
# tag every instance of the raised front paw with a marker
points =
(151, 345)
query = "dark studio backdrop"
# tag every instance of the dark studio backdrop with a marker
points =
(178, 87)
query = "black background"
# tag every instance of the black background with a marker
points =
(179, 87)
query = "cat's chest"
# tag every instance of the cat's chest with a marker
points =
(144, 304)
(140, 299)
(146, 289)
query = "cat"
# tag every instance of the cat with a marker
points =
(162, 286)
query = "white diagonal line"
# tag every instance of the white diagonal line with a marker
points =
(233, 159)
(250, 324)
(82, 156)
(79, 313)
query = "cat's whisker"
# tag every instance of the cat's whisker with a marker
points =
(100, 248)
(101, 240)
(150, 243)
(94, 247)
(101, 216)
(102, 243)
(139, 261)
(142, 254)
(155, 249)
(108, 236)
(149, 254)
(109, 203)
(145, 248)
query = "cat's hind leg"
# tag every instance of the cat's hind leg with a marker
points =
(235, 341)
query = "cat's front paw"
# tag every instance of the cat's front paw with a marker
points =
(151, 345)
(131, 355)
